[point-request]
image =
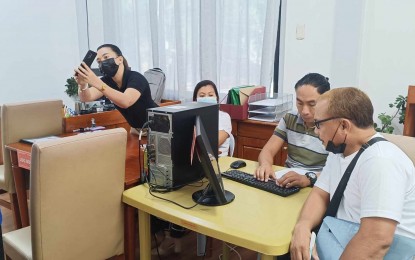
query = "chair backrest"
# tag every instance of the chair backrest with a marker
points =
(76, 188)
(157, 81)
(231, 145)
(405, 143)
(27, 120)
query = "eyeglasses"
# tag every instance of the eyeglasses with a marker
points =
(318, 122)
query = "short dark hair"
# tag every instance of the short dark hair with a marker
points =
(117, 51)
(205, 83)
(316, 80)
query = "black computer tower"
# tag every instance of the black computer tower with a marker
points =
(170, 143)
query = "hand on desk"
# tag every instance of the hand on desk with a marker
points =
(290, 179)
(293, 179)
(264, 173)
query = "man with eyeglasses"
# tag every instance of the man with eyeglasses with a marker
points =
(380, 194)
(305, 151)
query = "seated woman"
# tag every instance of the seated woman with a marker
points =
(127, 89)
(206, 91)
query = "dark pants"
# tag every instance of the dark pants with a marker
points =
(158, 225)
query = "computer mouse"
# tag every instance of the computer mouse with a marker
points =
(238, 164)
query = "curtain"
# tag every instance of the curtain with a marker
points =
(230, 42)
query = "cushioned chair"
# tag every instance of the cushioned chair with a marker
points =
(27, 120)
(405, 143)
(76, 210)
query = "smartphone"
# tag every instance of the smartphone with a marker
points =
(88, 59)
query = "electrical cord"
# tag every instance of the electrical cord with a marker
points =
(232, 248)
(175, 203)
(153, 189)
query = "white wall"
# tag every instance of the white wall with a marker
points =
(388, 51)
(363, 43)
(313, 53)
(39, 49)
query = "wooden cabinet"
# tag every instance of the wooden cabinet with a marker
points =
(250, 138)
(409, 125)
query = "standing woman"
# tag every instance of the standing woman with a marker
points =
(127, 89)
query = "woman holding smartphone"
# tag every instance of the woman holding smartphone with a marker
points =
(127, 89)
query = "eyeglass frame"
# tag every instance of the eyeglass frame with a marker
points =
(318, 122)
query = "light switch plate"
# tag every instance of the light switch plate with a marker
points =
(300, 32)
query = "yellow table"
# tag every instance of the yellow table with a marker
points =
(257, 220)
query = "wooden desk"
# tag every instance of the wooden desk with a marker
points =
(108, 119)
(256, 220)
(20, 154)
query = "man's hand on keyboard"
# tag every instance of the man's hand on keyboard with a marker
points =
(264, 173)
(293, 179)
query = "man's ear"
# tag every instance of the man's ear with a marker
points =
(346, 124)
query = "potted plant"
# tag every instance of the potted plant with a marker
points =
(72, 88)
(386, 120)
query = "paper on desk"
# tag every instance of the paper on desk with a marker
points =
(39, 139)
(280, 173)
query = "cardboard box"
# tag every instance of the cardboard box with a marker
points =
(241, 112)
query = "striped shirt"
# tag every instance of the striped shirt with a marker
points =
(305, 150)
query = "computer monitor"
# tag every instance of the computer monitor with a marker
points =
(214, 194)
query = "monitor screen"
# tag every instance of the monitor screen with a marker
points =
(214, 194)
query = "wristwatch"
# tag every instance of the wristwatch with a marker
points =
(312, 177)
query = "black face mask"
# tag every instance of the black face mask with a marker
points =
(331, 147)
(108, 67)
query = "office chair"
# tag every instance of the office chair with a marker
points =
(76, 210)
(157, 82)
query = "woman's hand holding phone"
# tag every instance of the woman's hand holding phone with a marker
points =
(86, 75)
(83, 74)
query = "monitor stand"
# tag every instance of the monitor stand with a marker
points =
(210, 199)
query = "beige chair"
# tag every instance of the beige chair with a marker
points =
(76, 210)
(405, 143)
(27, 120)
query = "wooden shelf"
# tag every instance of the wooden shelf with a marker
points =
(409, 125)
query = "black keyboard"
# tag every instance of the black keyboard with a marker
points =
(249, 179)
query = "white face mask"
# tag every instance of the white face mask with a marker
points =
(210, 100)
